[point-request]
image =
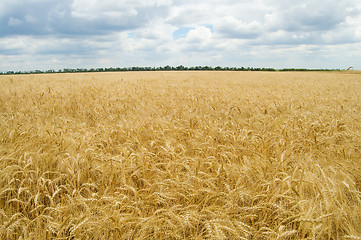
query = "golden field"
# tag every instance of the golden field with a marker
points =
(181, 155)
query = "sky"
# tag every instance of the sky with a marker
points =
(52, 34)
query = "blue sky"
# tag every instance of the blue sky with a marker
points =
(49, 34)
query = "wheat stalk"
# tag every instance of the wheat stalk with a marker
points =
(233, 155)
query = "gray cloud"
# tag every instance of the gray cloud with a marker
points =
(24, 18)
(309, 15)
(75, 17)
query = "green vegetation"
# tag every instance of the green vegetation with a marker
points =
(165, 68)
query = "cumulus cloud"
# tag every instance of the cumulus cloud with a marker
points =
(77, 17)
(230, 27)
(308, 16)
(198, 35)
(155, 32)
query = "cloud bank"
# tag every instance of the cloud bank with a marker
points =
(49, 34)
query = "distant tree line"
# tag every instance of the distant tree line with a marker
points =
(165, 68)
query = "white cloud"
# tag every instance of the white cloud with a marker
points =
(94, 9)
(156, 30)
(268, 33)
(230, 27)
(199, 35)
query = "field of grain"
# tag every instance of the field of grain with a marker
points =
(181, 155)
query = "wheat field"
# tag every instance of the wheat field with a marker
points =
(181, 155)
